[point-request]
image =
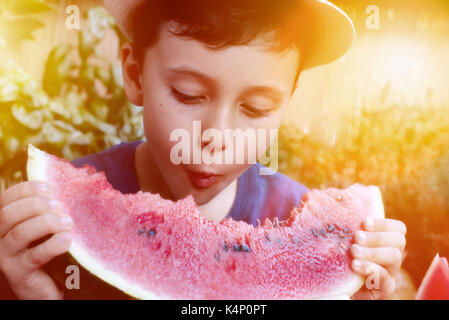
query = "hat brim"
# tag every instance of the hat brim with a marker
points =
(330, 32)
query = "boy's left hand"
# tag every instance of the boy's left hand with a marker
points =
(378, 254)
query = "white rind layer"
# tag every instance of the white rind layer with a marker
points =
(36, 165)
(95, 267)
(37, 171)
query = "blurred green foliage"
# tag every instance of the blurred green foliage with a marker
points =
(81, 109)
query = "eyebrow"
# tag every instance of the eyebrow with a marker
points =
(273, 92)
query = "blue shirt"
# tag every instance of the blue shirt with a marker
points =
(258, 196)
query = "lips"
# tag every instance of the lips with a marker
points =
(202, 179)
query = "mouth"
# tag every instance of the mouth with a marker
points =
(202, 179)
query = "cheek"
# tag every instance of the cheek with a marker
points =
(157, 125)
(158, 129)
(269, 134)
(159, 115)
(161, 123)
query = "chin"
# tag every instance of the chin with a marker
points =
(201, 197)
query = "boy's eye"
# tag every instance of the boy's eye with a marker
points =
(253, 112)
(247, 109)
(184, 98)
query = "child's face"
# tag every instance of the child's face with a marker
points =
(225, 97)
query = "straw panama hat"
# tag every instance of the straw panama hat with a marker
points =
(333, 31)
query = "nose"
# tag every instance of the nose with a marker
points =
(215, 127)
(215, 140)
(216, 145)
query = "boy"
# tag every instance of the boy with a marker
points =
(229, 65)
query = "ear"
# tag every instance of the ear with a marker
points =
(132, 75)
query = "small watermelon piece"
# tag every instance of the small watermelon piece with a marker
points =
(153, 248)
(435, 284)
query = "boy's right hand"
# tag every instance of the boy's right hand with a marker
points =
(27, 215)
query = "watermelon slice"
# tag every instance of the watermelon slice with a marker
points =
(435, 284)
(152, 248)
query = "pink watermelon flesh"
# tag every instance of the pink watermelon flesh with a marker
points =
(435, 284)
(154, 248)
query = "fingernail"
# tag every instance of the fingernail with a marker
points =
(66, 221)
(356, 264)
(64, 238)
(361, 237)
(357, 250)
(369, 224)
(55, 205)
(43, 188)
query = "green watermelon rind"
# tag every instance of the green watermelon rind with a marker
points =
(36, 171)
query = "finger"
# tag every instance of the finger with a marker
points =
(21, 267)
(24, 209)
(378, 284)
(384, 225)
(37, 285)
(388, 257)
(25, 275)
(380, 239)
(36, 257)
(23, 190)
(33, 229)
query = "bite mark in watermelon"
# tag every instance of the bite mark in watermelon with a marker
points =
(153, 248)
(435, 284)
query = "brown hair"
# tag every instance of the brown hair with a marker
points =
(222, 23)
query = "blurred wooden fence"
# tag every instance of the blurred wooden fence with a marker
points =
(31, 55)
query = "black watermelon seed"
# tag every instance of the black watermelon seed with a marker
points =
(140, 232)
(267, 237)
(315, 233)
(330, 228)
(245, 248)
(346, 230)
(225, 247)
(323, 232)
(236, 247)
(151, 233)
